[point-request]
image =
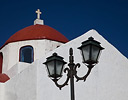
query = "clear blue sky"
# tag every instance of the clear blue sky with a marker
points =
(70, 17)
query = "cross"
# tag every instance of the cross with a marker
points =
(38, 13)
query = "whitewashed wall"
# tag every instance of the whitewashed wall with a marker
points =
(107, 81)
(11, 51)
(22, 86)
(2, 91)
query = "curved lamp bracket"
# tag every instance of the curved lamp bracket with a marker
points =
(66, 82)
(85, 76)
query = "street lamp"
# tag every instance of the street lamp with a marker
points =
(90, 51)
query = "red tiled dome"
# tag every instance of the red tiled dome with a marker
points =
(35, 32)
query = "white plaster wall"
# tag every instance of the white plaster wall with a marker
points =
(107, 81)
(2, 91)
(17, 68)
(11, 51)
(22, 86)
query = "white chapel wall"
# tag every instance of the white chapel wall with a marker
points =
(22, 86)
(2, 91)
(11, 51)
(107, 81)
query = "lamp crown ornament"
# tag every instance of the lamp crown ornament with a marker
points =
(54, 54)
(91, 38)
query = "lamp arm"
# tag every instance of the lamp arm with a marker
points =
(66, 82)
(85, 76)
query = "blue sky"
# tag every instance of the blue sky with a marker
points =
(70, 17)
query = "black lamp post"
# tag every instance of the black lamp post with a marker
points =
(90, 51)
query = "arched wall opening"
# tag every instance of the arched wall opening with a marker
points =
(26, 54)
(1, 62)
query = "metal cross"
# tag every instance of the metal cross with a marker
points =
(38, 13)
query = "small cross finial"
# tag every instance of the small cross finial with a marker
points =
(38, 13)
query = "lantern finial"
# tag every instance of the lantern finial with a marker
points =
(91, 38)
(55, 54)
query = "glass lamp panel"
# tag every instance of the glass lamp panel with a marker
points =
(59, 67)
(85, 53)
(95, 52)
(99, 55)
(50, 66)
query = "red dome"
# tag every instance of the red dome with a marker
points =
(35, 32)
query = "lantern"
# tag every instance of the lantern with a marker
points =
(90, 51)
(55, 66)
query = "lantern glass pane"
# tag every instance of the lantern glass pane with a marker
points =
(95, 52)
(59, 67)
(85, 53)
(50, 66)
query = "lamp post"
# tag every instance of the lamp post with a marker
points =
(90, 51)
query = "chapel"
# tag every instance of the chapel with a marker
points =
(24, 75)
(28, 45)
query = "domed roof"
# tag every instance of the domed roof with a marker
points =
(35, 32)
